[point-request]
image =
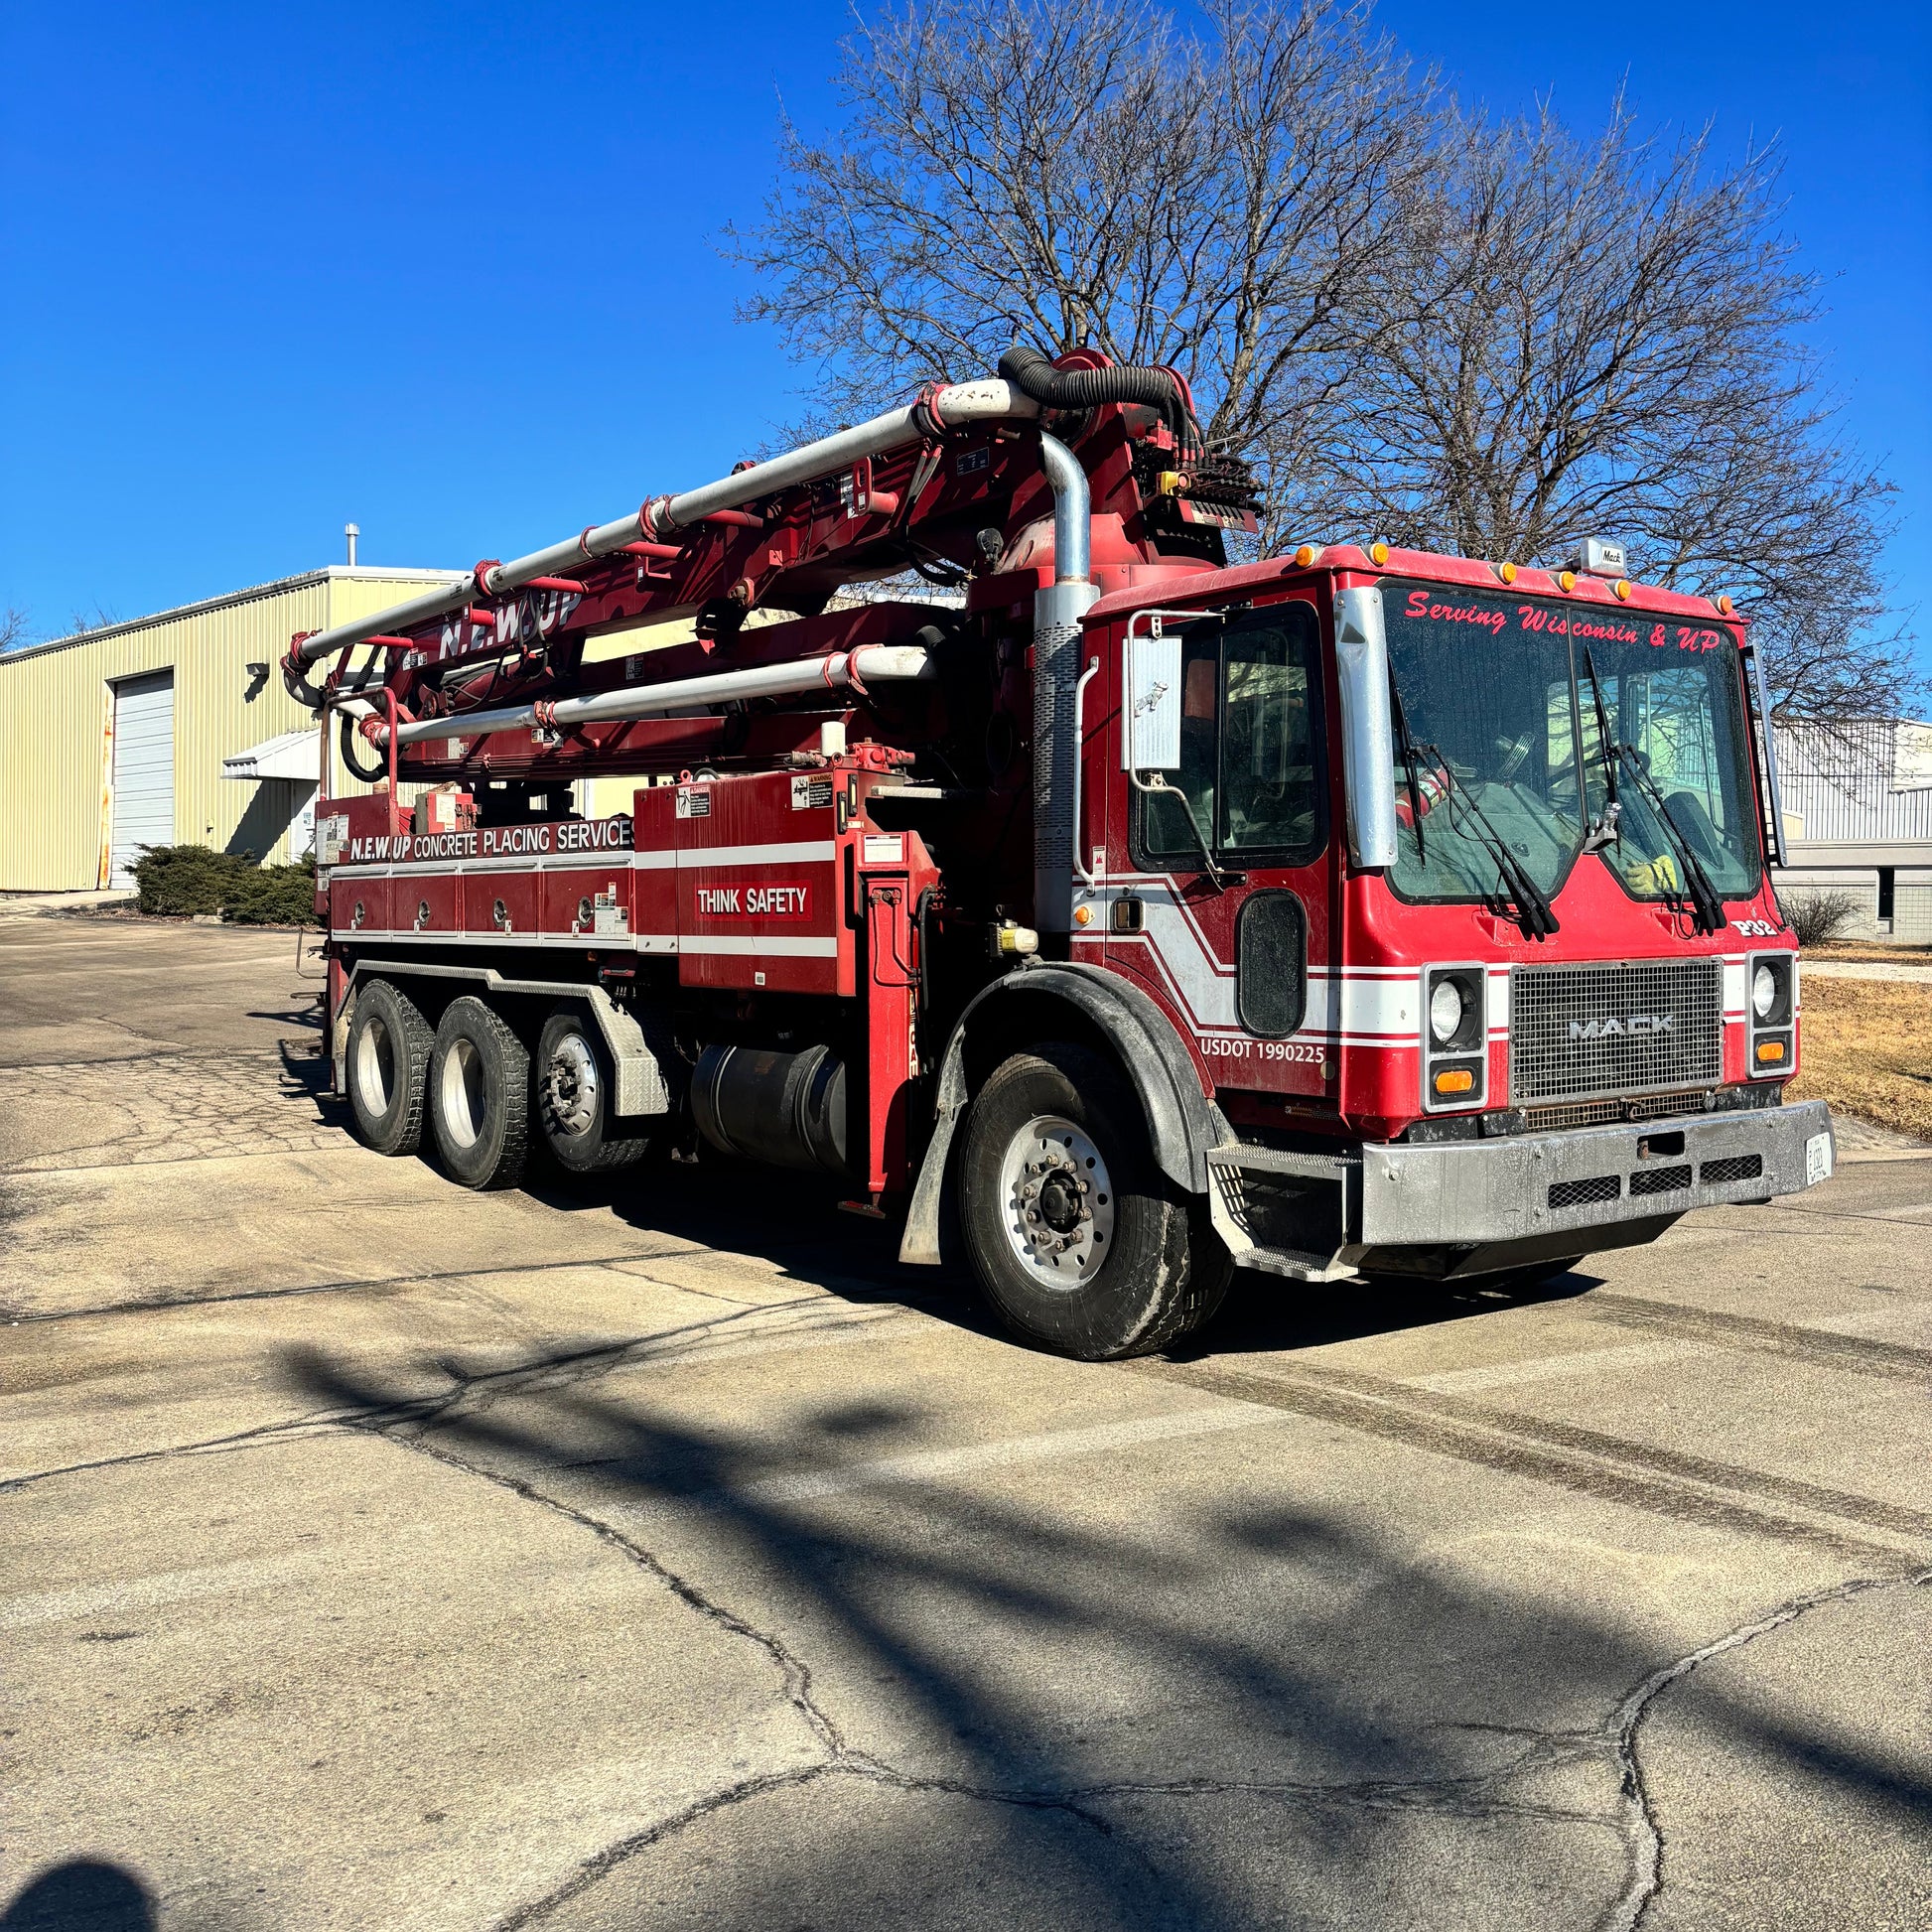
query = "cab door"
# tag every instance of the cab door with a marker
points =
(1218, 874)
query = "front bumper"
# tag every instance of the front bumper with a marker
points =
(1474, 1193)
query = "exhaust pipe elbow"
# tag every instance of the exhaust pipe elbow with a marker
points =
(1073, 512)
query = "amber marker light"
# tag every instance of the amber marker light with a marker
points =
(1083, 915)
(1622, 589)
(1455, 1079)
(1507, 572)
(1567, 580)
(1769, 1052)
(1726, 608)
(1378, 553)
(1306, 555)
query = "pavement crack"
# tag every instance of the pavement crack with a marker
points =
(361, 1283)
(794, 1673)
(1644, 1835)
(607, 1860)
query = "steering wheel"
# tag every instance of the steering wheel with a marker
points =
(1511, 754)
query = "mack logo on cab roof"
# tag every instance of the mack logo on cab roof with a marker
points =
(1629, 1024)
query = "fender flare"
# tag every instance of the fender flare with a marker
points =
(1183, 1122)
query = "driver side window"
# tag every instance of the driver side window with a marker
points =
(1249, 747)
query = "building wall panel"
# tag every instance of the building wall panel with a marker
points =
(55, 757)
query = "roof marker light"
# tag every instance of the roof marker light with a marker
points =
(1566, 579)
(1378, 552)
(1507, 572)
(1622, 589)
(1726, 608)
(1306, 555)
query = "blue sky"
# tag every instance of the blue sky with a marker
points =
(452, 272)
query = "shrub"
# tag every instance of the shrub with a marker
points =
(181, 881)
(178, 881)
(1818, 918)
(273, 896)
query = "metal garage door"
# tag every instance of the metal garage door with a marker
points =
(144, 768)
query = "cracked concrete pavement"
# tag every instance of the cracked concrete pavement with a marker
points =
(658, 1553)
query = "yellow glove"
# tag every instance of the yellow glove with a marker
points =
(1652, 875)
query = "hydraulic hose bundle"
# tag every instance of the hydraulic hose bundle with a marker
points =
(1034, 375)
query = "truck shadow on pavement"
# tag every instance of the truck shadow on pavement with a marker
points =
(1205, 1706)
(793, 1222)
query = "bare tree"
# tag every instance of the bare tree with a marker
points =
(1080, 172)
(1562, 340)
(1415, 323)
(100, 617)
(15, 629)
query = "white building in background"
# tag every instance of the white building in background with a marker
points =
(1858, 817)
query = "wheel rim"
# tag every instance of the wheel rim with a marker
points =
(464, 1093)
(570, 1088)
(1058, 1202)
(376, 1068)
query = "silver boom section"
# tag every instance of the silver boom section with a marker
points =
(833, 672)
(956, 405)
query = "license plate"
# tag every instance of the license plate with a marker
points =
(1818, 1160)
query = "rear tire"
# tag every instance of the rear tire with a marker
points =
(479, 1096)
(387, 1066)
(1078, 1239)
(575, 1089)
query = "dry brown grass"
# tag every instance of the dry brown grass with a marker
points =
(1868, 1049)
(1872, 952)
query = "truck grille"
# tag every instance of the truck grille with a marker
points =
(1579, 1031)
(1598, 1113)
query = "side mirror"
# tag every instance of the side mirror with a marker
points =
(1367, 727)
(1150, 739)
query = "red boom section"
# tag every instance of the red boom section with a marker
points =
(968, 508)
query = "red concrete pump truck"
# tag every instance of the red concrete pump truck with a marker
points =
(1136, 916)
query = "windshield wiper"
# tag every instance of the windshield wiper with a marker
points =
(1405, 747)
(1606, 831)
(1533, 912)
(1707, 908)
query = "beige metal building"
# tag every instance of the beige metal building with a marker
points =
(1858, 822)
(172, 730)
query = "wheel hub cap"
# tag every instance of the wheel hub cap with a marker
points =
(570, 1087)
(1059, 1200)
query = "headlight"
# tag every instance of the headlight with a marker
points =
(1764, 992)
(1445, 1011)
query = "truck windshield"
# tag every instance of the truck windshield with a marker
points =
(1248, 739)
(1495, 689)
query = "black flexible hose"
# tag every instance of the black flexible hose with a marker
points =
(369, 775)
(1034, 375)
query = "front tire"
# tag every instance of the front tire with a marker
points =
(387, 1064)
(1078, 1239)
(479, 1096)
(576, 1088)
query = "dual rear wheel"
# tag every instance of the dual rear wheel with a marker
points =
(471, 1085)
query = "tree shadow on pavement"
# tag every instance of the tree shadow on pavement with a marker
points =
(1195, 1705)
